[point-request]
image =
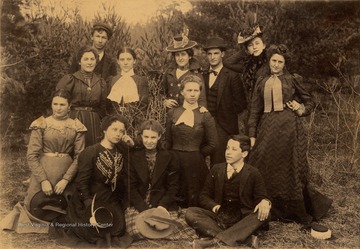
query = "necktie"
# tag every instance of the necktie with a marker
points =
(231, 173)
(210, 71)
(273, 94)
(187, 117)
(124, 89)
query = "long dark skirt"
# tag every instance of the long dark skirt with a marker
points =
(91, 120)
(193, 172)
(280, 154)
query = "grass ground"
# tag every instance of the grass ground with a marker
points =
(343, 219)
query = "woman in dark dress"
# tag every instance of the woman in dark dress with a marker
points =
(128, 88)
(278, 137)
(248, 63)
(100, 176)
(88, 93)
(191, 133)
(184, 64)
(154, 182)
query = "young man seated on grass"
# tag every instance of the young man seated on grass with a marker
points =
(233, 201)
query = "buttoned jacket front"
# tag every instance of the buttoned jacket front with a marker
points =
(251, 188)
(164, 183)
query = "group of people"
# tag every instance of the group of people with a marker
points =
(161, 185)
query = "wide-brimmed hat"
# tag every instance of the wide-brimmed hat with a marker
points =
(104, 26)
(47, 208)
(181, 43)
(152, 223)
(102, 217)
(249, 34)
(320, 232)
(215, 42)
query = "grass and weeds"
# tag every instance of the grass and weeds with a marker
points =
(343, 218)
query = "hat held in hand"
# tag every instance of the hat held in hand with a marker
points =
(101, 217)
(47, 208)
(154, 223)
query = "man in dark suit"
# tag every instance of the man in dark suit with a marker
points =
(225, 96)
(233, 202)
(106, 66)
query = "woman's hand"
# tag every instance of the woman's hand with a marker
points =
(203, 109)
(60, 186)
(128, 140)
(295, 106)
(46, 187)
(170, 103)
(252, 142)
(263, 209)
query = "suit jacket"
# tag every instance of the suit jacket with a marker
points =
(251, 189)
(230, 99)
(164, 183)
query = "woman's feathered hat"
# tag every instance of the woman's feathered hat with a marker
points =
(249, 34)
(181, 43)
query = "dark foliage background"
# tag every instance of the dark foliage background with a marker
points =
(324, 37)
(325, 40)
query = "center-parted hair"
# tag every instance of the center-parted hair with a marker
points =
(84, 50)
(63, 94)
(152, 125)
(126, 50)
(243, 140)
(108, 120)
(192, 78)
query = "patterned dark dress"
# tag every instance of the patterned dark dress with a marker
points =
(280, 148)
(101, 173)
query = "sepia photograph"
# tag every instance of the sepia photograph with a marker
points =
(180, 124)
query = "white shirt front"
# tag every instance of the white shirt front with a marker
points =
(212, 76)
(230, 170)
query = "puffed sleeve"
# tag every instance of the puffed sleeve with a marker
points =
(257, 108)
(303, 94)
(85, 171)
(168, 131)
(35, 147)
(79, 146)
(211, 137)
(66, 82)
